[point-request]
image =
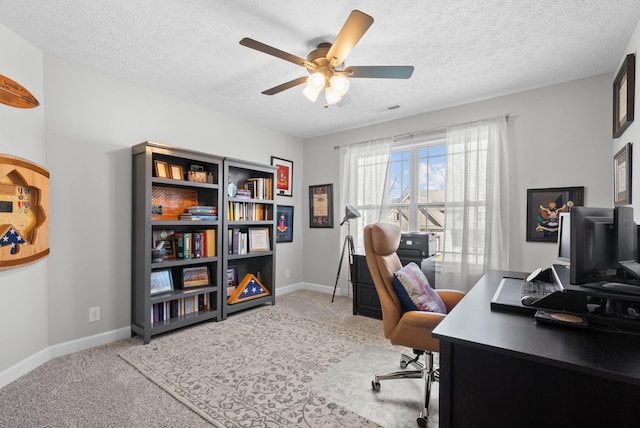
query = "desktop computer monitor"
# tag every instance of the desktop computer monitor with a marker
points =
(604, 245)
(591, 256)
(564, 237)
(625, 234)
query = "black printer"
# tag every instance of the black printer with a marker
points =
(417, 247)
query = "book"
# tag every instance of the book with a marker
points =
(198, 217)
(236, 241)
(188, 239)
(179, 245)
(197, 245)
(203, 210)
(209, 242)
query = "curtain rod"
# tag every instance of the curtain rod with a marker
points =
(403, 136)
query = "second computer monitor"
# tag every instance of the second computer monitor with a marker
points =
(564, 237)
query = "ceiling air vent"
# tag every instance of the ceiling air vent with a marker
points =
(388, 108)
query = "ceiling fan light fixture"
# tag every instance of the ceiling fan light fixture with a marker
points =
(316, 80)
(311, 93)
(315, 84)
(340, 84)
(332, 96)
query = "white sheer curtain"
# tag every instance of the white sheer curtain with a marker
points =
(476, 236)
(364, 172)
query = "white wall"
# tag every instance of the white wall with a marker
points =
(632, 133)
(558, 136)
(23, 291)
(92, 121)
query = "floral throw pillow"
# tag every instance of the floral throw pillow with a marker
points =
(414, 291)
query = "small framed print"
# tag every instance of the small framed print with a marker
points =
(624, 89)
(284, 224)
(321, 206)
(195, 276)
(177, 173)
(544, 207)
(232, 276)
(162, 169)
(169, 246)
(284, 176)
(161, 281)
(259, 239)
(622, 176)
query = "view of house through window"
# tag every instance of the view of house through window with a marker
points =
(417, 187)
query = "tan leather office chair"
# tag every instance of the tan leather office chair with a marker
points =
(412, 328)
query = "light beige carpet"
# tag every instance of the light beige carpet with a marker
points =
(270, 367)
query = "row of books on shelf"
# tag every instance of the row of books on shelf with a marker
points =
(196, 245)
(256, 188)
(238, 241)
(185, 245)
(165, 311)
(249, 211)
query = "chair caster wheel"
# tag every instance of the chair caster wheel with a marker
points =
(375, 385)
(422, 421)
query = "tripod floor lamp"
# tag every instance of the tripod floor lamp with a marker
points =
(349, 213)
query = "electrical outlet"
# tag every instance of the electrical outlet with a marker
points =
(94, 314)
(287, 273)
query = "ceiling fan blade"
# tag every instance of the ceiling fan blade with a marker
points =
(353, 29)
(285, 86)
(380, 72)
(269, 50)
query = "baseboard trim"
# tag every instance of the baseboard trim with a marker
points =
(36, 360)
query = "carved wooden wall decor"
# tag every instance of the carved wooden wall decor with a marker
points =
(24, 206)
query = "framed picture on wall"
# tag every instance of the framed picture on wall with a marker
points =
(284, 224)
(622, 176)
(284, 176)
(321, 206)
(624, 89)
(544, 207)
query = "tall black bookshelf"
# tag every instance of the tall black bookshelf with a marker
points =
(248, 231)
(180, 284)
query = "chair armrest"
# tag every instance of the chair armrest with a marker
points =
(422, 319)
(450, 297)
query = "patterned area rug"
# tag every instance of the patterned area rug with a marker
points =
(270, 368)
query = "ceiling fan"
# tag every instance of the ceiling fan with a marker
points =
(326, 63)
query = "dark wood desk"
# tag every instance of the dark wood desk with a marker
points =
(500, 369)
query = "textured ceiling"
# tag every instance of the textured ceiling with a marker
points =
(462, 51)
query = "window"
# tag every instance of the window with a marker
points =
(415, 185)
(451, 182)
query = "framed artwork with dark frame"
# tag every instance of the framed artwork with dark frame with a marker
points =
(232, 276)
(624, 89)
(195, 276)
(284, 224)
(544, 207)
(284, 176)
(321, 206)
(622, 176)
